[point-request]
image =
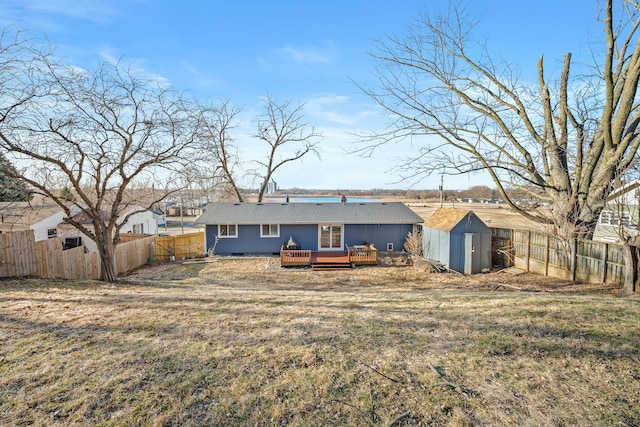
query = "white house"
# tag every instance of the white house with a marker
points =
(47, 228)
(143, 222)
(46, 219)
(50, 224)
(620, 214)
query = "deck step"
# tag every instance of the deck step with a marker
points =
(331, 266)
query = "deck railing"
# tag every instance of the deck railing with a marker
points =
(363, 256)
(293, 258)
(356, 256)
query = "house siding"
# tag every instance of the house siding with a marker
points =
(306, 235)
(148, 220)
(40, 228)
(250, 242)
(377, 234)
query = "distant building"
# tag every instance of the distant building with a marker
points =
(272, 187)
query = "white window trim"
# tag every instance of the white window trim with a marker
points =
(331, 248)
(270, 235)
(226, 236)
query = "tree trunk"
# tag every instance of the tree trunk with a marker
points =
(636, 253)
(630, 255)
(108, 267)
(106, 249)
(237, 193)
(263, 186)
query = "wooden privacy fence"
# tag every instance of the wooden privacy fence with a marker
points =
(582, 260)
(21, 256)
(181, 246)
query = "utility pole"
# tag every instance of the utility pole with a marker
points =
(181, 212)
(441, 190)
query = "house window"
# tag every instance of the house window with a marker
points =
(138, 228)
(227, 231)
(52, 233)
(270, 230)
(621, 218)
(625, 219)
(72, 242)
(605, 218)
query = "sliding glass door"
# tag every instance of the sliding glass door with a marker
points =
(330, 237)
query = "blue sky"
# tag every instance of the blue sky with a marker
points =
(305, 51)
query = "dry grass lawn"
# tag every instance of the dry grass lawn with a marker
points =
(242, 342)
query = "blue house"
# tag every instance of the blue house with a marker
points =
(265, 228)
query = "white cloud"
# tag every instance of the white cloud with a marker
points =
(44, 12)
(138, 66)
(307, 55)
(337, 109)
(200, 79)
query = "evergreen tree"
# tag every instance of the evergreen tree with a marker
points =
(12, 188)
(66, 194)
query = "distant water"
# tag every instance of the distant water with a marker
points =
(323, 199)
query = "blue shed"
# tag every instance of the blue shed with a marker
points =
(262, 228)
(458, 239)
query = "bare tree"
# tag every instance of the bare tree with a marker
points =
(562, 140)
(478, 192)
(215, 126)
(108, 135)
(288, 137)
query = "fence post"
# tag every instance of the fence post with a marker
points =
(574, 259)
(604, 262)
(546, 256)
(528, 249)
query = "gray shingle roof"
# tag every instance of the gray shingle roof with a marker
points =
(308, 213)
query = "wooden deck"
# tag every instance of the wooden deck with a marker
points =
(338, 260)
(333, 256)
(330, 260)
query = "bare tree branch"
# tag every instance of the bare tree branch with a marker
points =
(287, 137)
(215, 126)
(104, 135)
(563, 142)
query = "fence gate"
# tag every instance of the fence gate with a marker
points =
(502, 250)
(181, 246)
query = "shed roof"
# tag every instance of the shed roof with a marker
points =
(308, 213)
(445, 219)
